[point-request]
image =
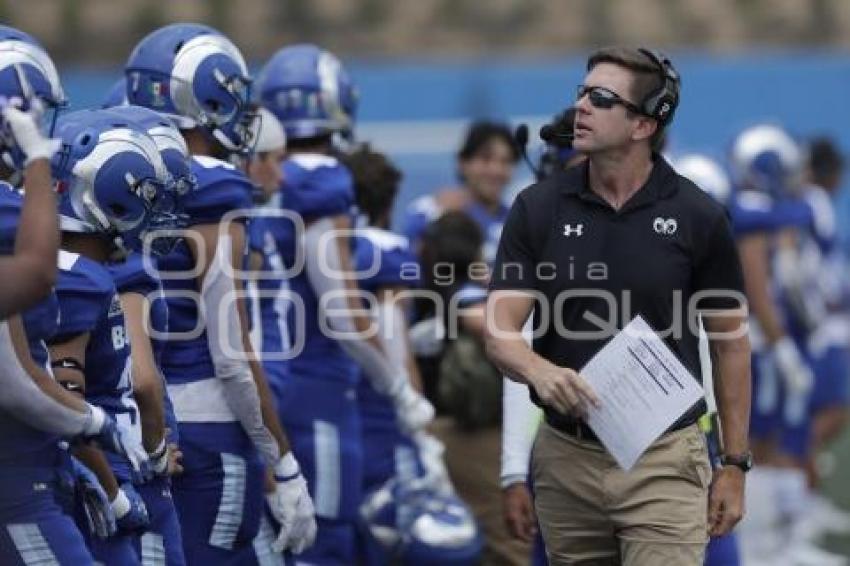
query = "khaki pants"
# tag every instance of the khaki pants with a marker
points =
(473, 462)
(591, 512)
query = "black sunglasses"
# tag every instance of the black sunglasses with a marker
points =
(601, 97)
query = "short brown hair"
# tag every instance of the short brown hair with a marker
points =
(376, 181)
(646, 75)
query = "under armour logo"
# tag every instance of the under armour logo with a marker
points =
(570, 230)
(666, 226)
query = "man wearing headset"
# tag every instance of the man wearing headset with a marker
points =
(617, 236)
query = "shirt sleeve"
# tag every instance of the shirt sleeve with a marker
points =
(515, 265)
(718, 276)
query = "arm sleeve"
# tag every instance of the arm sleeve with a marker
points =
(224, 336)
(382, 373)
(392, 333)
(520, 419)
(25, 401)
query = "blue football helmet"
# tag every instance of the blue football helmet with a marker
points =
(111, 178)
(309, 91)
(27, 74)
(169, 142)
(415, 524)
(706, 173)
(197, 77)
(766, 158)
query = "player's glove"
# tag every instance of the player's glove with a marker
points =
(413, 411)
(98, 511)
(427, 337)
(22, 127)
(796, 375)
(131, 515)
(102, 429)
(292, 507)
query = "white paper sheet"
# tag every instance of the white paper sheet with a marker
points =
(643, 389)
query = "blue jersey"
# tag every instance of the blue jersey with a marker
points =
(20, 444)
(89, 303)
(130, 276)
(383, 259)
(425, 210)
(315, 186)
(269, 302)
(754, 212)
(221, 189)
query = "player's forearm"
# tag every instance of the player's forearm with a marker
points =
(148, 392)
(30, 394)
(732, 389)
(269, 410)
(267, 406)
(37, 237)
(519, 426)
(753, 251)
(148, 387)
(94, 460)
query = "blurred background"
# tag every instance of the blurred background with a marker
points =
(426, 67)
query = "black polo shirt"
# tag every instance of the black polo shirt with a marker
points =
(595, 268)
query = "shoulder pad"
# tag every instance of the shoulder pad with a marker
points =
(221, 188)
(130, 276)
(42, 320)
(316, 186)
(384, 239)
(85, 290)
(753, 200)
(426, 206)
(396, 265)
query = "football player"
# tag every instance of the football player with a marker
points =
(114, 188)
(396, 476)
(308, 90)
(32, 418)
(145, 312)
(229, 432)
(768, 217)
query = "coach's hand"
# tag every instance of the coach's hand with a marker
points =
(518, 510)
(564, 389)
(725, 500)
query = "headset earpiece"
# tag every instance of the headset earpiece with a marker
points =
(661, 104)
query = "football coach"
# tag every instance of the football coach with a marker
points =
(585, 251)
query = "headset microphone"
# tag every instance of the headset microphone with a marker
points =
(521, 140)
(556, 135)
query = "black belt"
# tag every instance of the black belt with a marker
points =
(575, 428)
(578, 429)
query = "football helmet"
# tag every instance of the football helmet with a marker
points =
(27, 77)
(309, 91)
(706, 173)
(196, 76)
(111, 178)
(415, 524)
(766, 158)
